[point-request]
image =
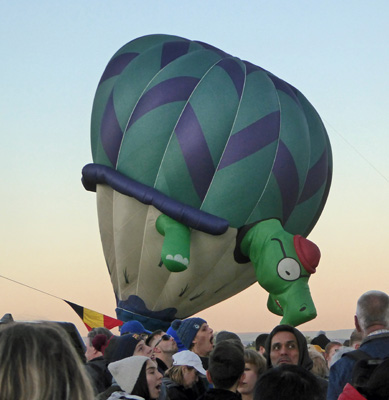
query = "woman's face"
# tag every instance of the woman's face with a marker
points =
(247, 385)
(190, 376)
(154, 379)
(142, 349)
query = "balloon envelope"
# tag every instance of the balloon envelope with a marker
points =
(182, 128)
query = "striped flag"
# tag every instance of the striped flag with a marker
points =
(93, 319)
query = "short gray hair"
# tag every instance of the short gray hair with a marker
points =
(373, 309)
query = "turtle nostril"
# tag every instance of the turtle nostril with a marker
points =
(303, 308)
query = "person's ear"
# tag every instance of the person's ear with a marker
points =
(157, 350)
(209, 377)
(356, 322)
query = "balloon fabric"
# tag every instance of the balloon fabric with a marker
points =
(210, 172)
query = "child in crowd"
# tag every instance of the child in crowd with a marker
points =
(225, 370)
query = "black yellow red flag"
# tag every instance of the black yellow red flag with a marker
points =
(93, 319)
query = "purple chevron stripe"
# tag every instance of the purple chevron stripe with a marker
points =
(235, 72)
(316, 177)
(117, 65)
(174, 89)
(286, 174)
(195, 151)
(207, 46)
(172, 51)
(251, 139)
(252, 68)
(284, 87)
(110, 132)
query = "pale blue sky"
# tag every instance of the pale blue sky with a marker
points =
(52, 57)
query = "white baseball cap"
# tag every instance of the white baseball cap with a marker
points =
(190, 359)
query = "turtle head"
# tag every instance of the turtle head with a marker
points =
(283, 264)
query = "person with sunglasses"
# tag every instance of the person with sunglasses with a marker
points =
(164, 347)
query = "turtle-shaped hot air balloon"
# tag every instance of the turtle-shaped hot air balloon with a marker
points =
(210, 172)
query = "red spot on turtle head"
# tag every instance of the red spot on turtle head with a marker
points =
(307, 252)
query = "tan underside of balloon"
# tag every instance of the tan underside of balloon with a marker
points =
(132, 248)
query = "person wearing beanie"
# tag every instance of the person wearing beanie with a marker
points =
(174, 335)
(137, 378)
(195, 335)
(287, 345)
(97, 366)
(321, 340)
(126, 346)
(91, 351)
(226, 335)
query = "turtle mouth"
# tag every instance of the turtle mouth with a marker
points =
(302, 308)
(279, 305)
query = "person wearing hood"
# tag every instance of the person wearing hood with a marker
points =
(120, 347)
(137, 378)
(287, 345)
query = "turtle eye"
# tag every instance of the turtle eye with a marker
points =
(288, 269)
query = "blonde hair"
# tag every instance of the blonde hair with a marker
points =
(254, 358)
(38, 362)
(319, 367)
(175, 373)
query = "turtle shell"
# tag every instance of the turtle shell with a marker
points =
(185, 126)
(213, 134)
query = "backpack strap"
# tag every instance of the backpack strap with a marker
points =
(357, 355)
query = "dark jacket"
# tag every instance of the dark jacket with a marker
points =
(178, 392)
(220, 394)
(162, 367)
(376, 346)
(100, 376)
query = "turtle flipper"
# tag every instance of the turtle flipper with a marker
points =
(176, 246)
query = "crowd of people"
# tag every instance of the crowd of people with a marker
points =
(189, 362)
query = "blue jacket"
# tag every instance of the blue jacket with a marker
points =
(376, 346)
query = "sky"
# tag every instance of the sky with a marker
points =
(52, 57)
